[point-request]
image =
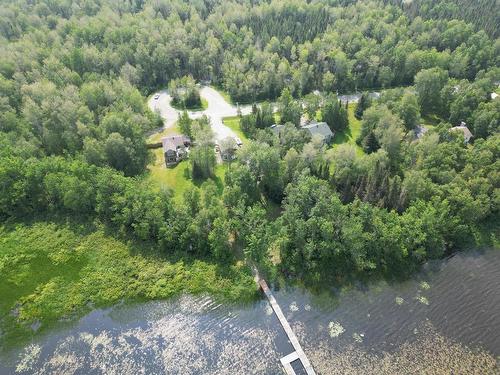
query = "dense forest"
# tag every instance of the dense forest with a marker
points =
(482, 13)
(74, 123)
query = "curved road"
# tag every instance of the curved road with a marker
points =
(217, 109)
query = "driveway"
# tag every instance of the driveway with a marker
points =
(163, 107)
(217, 109)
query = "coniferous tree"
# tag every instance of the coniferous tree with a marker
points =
(363, 103)
(185, 123)
(370, 143)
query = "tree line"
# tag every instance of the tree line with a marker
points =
(73, 127)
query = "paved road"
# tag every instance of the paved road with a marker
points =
(217, 109)
(354, 98)
(163, 107)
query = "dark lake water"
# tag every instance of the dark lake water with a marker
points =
(445, 320)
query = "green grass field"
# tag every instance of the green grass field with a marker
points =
(166, 132)
(350, 135)
(430, 121)
(61, 269)
(178, 178)
(234, 124)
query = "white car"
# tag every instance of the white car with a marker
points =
(238, 141)
(156, 96)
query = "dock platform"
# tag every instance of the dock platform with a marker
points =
(298, 354)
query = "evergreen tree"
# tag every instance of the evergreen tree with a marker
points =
(370, 143)
(409, 111)
(363, 103)
(290, 109)
(334, 114)
(185, 123)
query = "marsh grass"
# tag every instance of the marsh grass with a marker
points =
(57, 269)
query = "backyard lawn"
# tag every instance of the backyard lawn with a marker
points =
(177, 178)
(350, 135)
(155, 138)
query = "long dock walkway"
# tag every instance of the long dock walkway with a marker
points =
(298, 353)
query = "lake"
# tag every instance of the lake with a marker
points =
(445, 319)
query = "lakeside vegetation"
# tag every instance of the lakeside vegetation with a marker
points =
(380, 202)
(58, 269)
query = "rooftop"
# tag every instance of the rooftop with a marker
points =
(173, 142)
(320, 128)
(465, 130)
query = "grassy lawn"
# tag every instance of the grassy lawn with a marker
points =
(62, 268)
(234, 124)
(430, 121)
(178, 178)
(166, 132)
(350, 135)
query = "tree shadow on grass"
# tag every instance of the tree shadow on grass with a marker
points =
(342, 137)
(199, 181)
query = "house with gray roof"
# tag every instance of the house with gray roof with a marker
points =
(420, 131)
(464, 130)
(320, 129)
(175, 148)
(277, 129)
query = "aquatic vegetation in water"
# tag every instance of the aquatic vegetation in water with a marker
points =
(422, 299)
(428, 353)
(335, 329)
(29, 357)
(358, 337)
(268, 309)
(399, 301)
(74, 270)
(177, 343)
(424, 285)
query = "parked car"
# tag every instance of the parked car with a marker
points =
(238, 141)
(157, 96)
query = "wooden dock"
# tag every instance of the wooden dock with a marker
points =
(298, 354)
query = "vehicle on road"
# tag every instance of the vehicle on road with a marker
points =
(156, 96)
